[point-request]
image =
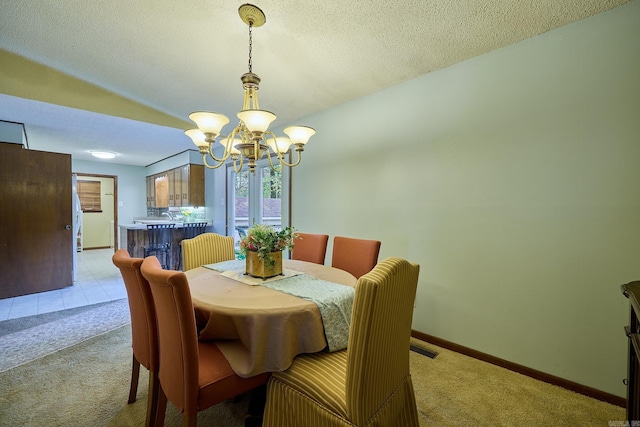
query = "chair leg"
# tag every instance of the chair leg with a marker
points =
(190, 418)
(152, 400)
(162, 407)
(135, 373)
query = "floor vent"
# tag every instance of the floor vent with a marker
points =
(423, 351)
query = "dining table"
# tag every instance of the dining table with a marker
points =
(262, 325)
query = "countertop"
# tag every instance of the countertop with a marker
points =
(143, 224)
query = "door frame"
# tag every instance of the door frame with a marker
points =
(115, 202)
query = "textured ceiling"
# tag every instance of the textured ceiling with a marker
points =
(188, 55)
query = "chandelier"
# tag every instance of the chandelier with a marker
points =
(250, 140)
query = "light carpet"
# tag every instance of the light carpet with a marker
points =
(47, 333)
(87, 384)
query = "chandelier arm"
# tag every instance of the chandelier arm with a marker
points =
(235, 161)
(274, 168)
(282, 161)
(210, 152)
(204, 160)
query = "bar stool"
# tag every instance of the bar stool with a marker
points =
(193, 229)
(160, 237)
(189, 231)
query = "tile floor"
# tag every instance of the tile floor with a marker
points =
(98, 281)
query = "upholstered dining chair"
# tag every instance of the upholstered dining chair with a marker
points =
(207, 248)
(368, 383)
(144, 339)
(310, 247)
(357, 256)
(194, 375)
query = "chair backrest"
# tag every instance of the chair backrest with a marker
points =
(357, 256)
(177, 336)
(193, 229)
(310, 247)
(207, 248)
(159, 235)
(144, 338)
(379, 338)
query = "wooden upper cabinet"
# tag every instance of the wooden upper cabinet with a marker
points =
(177, 187)
(151, 192)
(172, 187)
(183, 186)
(162, 190)
(196, 186)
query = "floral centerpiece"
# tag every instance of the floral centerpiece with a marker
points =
(186, 214)
(263, 246)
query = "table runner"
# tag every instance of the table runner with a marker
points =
(334, 301)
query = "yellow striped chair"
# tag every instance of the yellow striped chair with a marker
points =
(369, 383)
(206, 248)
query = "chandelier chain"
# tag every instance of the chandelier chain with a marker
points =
(250, 45)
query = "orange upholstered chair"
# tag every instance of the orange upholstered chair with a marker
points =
(310, 247)
(194, 375)
(357, 256)
(144, 339)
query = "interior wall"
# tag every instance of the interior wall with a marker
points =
(512, 179)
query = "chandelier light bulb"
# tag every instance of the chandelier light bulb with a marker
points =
(256, 121)
(198, 137)
(209, 122)
(299, 134)
(280, 145)
(235, 142)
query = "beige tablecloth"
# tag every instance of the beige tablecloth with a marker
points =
(259, 329)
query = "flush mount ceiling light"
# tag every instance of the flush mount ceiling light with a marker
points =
(103, 154)
(250, 140)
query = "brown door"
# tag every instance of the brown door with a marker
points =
(36, 237)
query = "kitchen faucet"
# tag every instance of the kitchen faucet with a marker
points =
(168, 214)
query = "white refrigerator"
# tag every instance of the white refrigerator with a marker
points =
(77, 224)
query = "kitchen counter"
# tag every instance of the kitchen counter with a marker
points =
(142, 225)
(134, 238)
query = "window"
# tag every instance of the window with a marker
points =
(89, 194)
(259, 198)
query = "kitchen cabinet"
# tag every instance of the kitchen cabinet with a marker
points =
(182, 186)
(161, 185)
(192, 185)
(151, 191)
(176, 187)
(173, 200)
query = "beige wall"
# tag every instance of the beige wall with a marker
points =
(513, 180)
(96, 228)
